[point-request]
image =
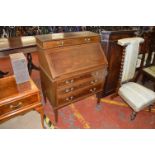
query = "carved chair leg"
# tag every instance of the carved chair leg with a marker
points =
(30, 64)
(133, 115)
(137, 76)
(143, 79)
(150, 108)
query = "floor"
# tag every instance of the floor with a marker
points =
(109, 114)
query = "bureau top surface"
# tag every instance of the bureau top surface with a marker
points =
(68, 35)
(10, 91)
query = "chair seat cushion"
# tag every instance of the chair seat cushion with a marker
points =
(138, 97)
(150, 71)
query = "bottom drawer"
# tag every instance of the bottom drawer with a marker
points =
(18, 105)
(75, 96)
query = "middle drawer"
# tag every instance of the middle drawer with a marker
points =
(77, 86)
(93, 76)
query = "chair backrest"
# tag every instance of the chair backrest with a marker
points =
(130, 57)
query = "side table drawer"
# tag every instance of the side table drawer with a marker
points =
(19, 104)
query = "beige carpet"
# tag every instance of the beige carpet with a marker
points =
(30, 120)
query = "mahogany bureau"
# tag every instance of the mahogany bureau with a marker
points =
(18, 99)
(72, 66)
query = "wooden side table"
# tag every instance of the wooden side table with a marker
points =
(26, 44)
(18, 99)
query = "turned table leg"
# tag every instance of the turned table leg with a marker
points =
(99, 96)
(2, 74)
(56, 115)
(30, 64)
(43, 92)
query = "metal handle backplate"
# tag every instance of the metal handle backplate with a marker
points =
(16, 106)
(93, 90)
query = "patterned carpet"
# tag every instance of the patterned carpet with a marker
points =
(86, 114)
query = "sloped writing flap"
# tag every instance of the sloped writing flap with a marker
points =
(75, 58)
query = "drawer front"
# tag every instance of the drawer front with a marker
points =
(76, 87)
(80, 94)
(90, 78)
(73, 80)
(18, 105)
(68, 42)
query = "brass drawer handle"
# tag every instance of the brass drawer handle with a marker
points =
(70, 98)
(16, 106)
(93, 90)
(60, 43)
(69, 90)
(87, 39)
(93, 81)
(69, 81)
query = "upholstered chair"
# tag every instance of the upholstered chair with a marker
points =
(135, 95)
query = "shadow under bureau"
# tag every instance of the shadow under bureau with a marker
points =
(72, 66)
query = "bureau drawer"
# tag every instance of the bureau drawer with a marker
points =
(18, 105)
(93, 77)
(77, 86)
(73, 80)
(68, 42)
(75, 96)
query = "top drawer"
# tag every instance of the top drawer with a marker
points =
(67, 42)
(94, 76)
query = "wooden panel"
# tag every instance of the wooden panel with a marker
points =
(115, 35)
(48, 87)
(75, 58)
(113, 53)
(70, 38)
(68, 42)
(8, 88)
(114, 64)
